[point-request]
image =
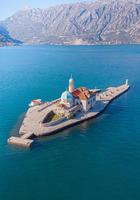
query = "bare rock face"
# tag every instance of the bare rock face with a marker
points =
(100, 22)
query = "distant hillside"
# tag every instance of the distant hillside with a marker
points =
(6, 40)
(100, 22)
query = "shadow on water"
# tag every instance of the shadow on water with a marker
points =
(113, 109)
(15, 129)
(80, 129)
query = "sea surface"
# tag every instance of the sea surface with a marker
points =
(96, 160)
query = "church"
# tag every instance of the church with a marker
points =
(82, 97)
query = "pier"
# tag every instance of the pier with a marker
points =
(32, 126)
(24, 141)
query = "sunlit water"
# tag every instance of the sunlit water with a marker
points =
(99, 159)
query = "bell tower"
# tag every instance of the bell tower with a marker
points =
(71, 85)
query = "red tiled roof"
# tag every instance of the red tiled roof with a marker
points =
(82, 93)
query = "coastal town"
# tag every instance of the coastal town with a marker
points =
(74, 106)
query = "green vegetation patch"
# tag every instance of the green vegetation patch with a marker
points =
(55, 117)
(51, 116)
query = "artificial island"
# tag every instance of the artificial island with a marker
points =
(73, 107)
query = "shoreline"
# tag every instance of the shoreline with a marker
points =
(32, 128)
(70, 45)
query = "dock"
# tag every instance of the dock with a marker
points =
(24, 140)
(32, 126)
(19, 141)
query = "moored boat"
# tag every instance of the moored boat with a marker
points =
(35, 102)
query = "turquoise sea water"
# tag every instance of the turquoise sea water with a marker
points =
(99, 159)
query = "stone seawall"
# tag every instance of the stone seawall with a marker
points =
(32, 122)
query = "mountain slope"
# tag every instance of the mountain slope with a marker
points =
(5, 39)
(100, 22)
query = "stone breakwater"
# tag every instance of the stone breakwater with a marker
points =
(32, 126)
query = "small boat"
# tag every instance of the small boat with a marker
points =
(35, 102)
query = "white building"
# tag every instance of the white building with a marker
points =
(82, 96)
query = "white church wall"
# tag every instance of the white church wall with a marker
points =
(85, 105)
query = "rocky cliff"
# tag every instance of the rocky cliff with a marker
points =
(99, 22)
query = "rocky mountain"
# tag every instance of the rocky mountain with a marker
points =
(99, 22)
(5, 39)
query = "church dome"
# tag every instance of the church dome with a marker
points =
(67, 96)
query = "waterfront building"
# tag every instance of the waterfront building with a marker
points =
(82, 97)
